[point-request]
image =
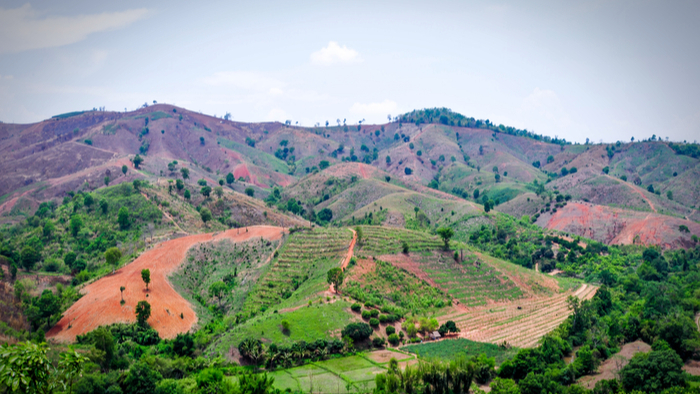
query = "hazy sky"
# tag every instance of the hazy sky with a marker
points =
(598, 69)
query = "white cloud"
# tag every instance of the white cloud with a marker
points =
(334, 53)
(22, 29)
(384, 108)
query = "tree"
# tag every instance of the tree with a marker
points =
(357, 331)
(407, 171)
(121, 290)
(137, 161)
(653, 372)
(218, 290)
(179, 184)
(26, 368)
(103, 340)
(219, 191)
(221, 182)
(325, 215)
(323, 164)
(106, 181)
(230, 178)
(123, 218)
(146, 276)
(49, 305)
(504, 386)
(201, 140)
(445, 233)
(141, 379)
(69, 259)
(124, 169)
(187, 194)
(206, 191)
(205, 214)
(335, 277)
(112, 256)
(76, 222)
(250, 191)
(29, 257)
(143, 312)
(185, 173)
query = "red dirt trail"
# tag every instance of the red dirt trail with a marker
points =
(348, 256)
(100, 302)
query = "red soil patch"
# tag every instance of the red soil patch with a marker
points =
(619, 226)
(242, 171)
(100, 305)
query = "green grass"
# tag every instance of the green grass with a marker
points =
(257, 157)
(307, 323)
(68, 115)
(450, 349)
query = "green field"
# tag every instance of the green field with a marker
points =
(300, 269)
(257, 157)
(379, 240)
(450, 349)
(471, 281)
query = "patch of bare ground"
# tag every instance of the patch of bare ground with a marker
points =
(611, 367)
(383, 356)
(170, 313)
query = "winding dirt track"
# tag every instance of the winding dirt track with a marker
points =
(100, 304)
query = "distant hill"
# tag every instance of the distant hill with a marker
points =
(426, 159)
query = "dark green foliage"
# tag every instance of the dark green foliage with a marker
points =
(357, 331)
(653, 372)
(230, 178)
(123, 218)
(250, 191)
(143, 312)
(141, 379)
(205, 214)
(325, 215)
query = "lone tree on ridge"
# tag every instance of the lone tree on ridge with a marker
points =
(146, 276)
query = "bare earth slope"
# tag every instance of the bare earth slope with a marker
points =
(619, 226)
(100, 304)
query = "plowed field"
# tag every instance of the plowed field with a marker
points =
(100, 304)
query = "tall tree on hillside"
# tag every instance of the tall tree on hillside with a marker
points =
(146, 276)
(124, 169)
(112, 256)
(121, 290)
(230, 178)
(137, 161)
(143, 312)
(123, 218)
(335, 277)
(445, 233)
(205, 214)
(185, 173)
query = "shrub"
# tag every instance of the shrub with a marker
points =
(250, 191)
(374, 322)
(366, 314)
(390, 330)
(374, 313)
(356, 307)
(383, 319)
(393, 339)
(378, 341)
(357, 331)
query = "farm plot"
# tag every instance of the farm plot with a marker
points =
(300, 268)
(378, 240)
(450, 349)
(521, 323)
(471, 282)
(237, 265)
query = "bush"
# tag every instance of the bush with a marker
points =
(356, 307)
(374, 313)
(250, 191)
(357, 331)
(383, 319)
(374, 322)
(390, 330)
(378, 341)
(366, 314)
(393, 339)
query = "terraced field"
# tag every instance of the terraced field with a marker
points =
(378, 240)
(520, 324)
(471, 282)
(300, 267)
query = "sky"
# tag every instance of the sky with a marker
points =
(603, 70)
